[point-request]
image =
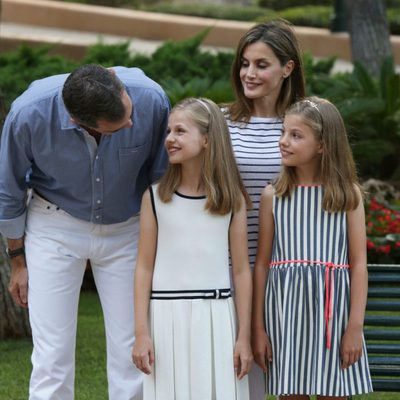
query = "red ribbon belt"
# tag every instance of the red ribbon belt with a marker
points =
(329, 286)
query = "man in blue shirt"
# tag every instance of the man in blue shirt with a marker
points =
(88, 144)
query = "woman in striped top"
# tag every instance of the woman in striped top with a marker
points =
(310, 272)
(267, 77)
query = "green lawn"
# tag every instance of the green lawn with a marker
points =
(90, 380)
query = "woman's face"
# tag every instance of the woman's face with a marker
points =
(261, 72)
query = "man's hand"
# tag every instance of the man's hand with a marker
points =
(18, 286)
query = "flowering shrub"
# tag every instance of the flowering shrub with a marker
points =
(383, 233)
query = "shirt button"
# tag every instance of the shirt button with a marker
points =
(98, 201)
(97, 179)
(97, 157)
(97, 216)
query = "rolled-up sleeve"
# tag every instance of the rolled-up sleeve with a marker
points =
(15, 163)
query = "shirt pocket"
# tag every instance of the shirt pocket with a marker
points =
(131, 160)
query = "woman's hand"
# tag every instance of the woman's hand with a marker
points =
(143, 353)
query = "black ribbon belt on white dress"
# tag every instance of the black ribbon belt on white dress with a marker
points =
(190, 294)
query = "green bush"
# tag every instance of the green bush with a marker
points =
(20, 67)
(185, 61)
(371, 110)
(238, 13)
(370, 107)
(315, 13)
(282, 4)
(316, 16)
(392, 3)
(394, 20)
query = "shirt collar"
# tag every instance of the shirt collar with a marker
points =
(65, 118)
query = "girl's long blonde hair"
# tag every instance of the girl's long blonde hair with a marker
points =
(220, 175)
(337, 170)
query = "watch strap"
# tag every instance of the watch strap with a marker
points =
(16, 252)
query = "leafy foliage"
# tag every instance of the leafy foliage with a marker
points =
(371, 110)
(282, 4)
(315, 16)
(370, 107)
(20, 67)
(206, 10)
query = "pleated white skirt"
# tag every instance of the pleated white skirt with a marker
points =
(194, 343)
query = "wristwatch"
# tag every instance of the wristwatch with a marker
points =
(16, 252)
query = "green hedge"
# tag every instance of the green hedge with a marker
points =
(370, 107)
(237, 13)
(282, 4)
(314, 13)
(315, 16)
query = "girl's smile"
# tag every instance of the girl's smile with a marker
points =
(184, 141)
(298, 144)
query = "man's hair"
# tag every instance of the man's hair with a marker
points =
(92, 92)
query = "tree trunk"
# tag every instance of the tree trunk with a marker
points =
(369, 33)
(14, 321)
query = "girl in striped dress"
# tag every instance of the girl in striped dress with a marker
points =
(190, 342)
(267, 76)
(310, 279)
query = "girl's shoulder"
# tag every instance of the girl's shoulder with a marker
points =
(268, 193)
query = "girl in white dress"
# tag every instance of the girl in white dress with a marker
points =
(188, 342)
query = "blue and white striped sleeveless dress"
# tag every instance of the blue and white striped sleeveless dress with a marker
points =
(308, 299)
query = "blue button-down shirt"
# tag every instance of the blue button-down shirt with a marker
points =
(99, 183)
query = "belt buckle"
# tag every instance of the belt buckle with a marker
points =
(217, 294)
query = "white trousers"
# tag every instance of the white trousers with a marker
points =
(57, 247)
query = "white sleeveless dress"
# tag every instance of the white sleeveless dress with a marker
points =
(192, 314)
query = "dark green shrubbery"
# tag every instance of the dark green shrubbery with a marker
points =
(198, 9)
(315, 16)
(19, 68)
(371, 110)
(370, 107)
(314, 13)
(282, 4)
